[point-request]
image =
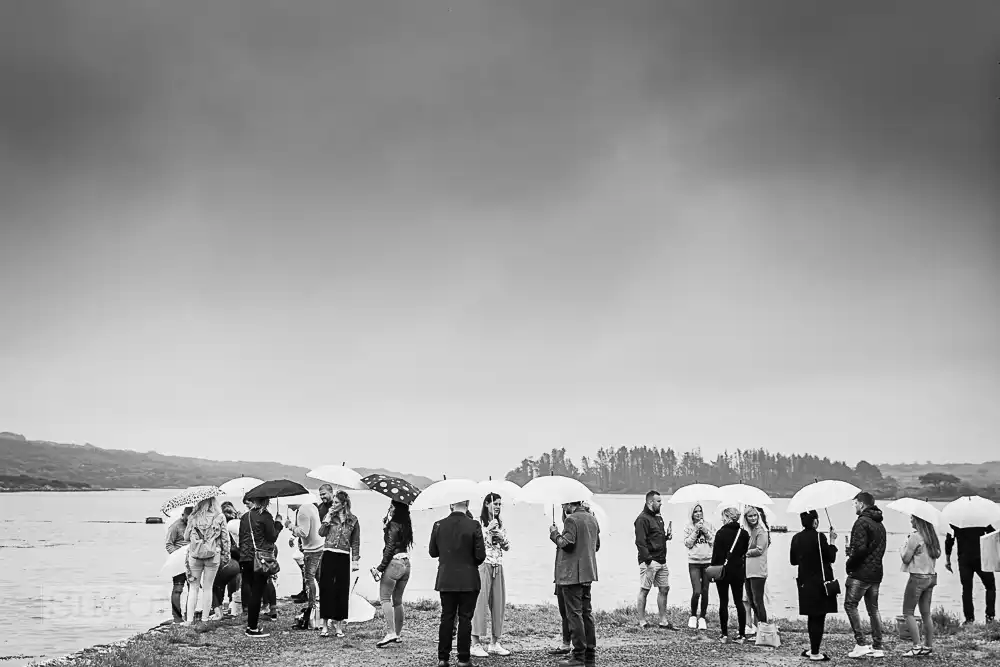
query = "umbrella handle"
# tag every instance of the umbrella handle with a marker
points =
(354, 584)
(828, 517)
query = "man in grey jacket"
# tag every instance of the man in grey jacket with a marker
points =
(575, 570)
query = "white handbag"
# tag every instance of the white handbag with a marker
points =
(767, 635)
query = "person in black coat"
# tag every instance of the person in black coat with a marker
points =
(814, 603)
(730, 548)
(457, 543)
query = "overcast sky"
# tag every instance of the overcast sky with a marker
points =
(443, 236)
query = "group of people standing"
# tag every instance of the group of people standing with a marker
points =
(223, 544)
(740, 552)
(735, 558)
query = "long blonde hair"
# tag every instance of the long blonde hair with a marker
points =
(929, 536)
(205, 513)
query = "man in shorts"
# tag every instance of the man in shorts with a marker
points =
(651, 542)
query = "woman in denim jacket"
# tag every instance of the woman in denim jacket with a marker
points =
(341, 553)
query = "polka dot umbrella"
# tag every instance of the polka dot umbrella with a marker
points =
(392, 487)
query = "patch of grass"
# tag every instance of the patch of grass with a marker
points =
(945, 622)
(424, 604)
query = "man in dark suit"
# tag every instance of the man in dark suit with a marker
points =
(576, 569)
(457, 543)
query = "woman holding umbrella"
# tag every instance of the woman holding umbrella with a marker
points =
(493, 592)
(814, 556)
(341, 553)
(258, 533)
(393, 572)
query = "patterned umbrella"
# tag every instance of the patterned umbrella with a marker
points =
(191, 496)
(392, 487)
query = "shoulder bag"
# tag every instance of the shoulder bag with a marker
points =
(718, 572)
(263, 562)
(831, 587)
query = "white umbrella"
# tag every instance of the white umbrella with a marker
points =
(233, 525)
(972, 512)
(744, 494)
(238, 486)
(176, 563)
(694, 493)
(821, 495)
(359, 610)
(444, 493)
(918, 508)
(309, 498)
(509, 492)
(341, 476)
(554, 490)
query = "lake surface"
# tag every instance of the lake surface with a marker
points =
(75, 572)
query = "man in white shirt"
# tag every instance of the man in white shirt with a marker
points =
(306, 528)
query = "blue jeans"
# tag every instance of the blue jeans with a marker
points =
(856, 590)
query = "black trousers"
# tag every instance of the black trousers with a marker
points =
(252, 590)
(463, 605)
(175, 596)
(816, 623)
(228, 578)
(967, 573)
(567, 636)
(741, 613)
(755, 593)
(335, 586)
(580, 617)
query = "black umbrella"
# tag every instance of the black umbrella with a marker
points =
(392, 487)
(276, 488)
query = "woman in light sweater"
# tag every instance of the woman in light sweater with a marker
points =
(919, 555)
(699, 538)
(760, 540)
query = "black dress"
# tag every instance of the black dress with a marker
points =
(805, 553)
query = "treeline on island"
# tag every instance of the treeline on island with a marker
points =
(639, 469)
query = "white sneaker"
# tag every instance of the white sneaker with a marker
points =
(702, 625)
(750, 630)
(877, 653)
(498, 649)
(478, 651)
(860, 651)
(693, 622)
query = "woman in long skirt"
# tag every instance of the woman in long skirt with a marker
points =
(341, 553)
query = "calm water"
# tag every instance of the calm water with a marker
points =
(69, 581)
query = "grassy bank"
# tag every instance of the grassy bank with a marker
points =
(530, 630)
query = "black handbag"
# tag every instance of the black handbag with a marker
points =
(831, 587)
(718, 572)
(264, 562)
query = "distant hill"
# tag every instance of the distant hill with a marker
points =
(87, 465)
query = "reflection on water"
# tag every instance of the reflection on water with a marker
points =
(82, 568)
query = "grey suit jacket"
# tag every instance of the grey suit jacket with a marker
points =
(578, 544)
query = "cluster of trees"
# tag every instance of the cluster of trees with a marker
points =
(638, 469)
(943, 485)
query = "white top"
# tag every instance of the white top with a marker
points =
(307, 525)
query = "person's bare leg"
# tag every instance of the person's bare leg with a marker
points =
(640, 605)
